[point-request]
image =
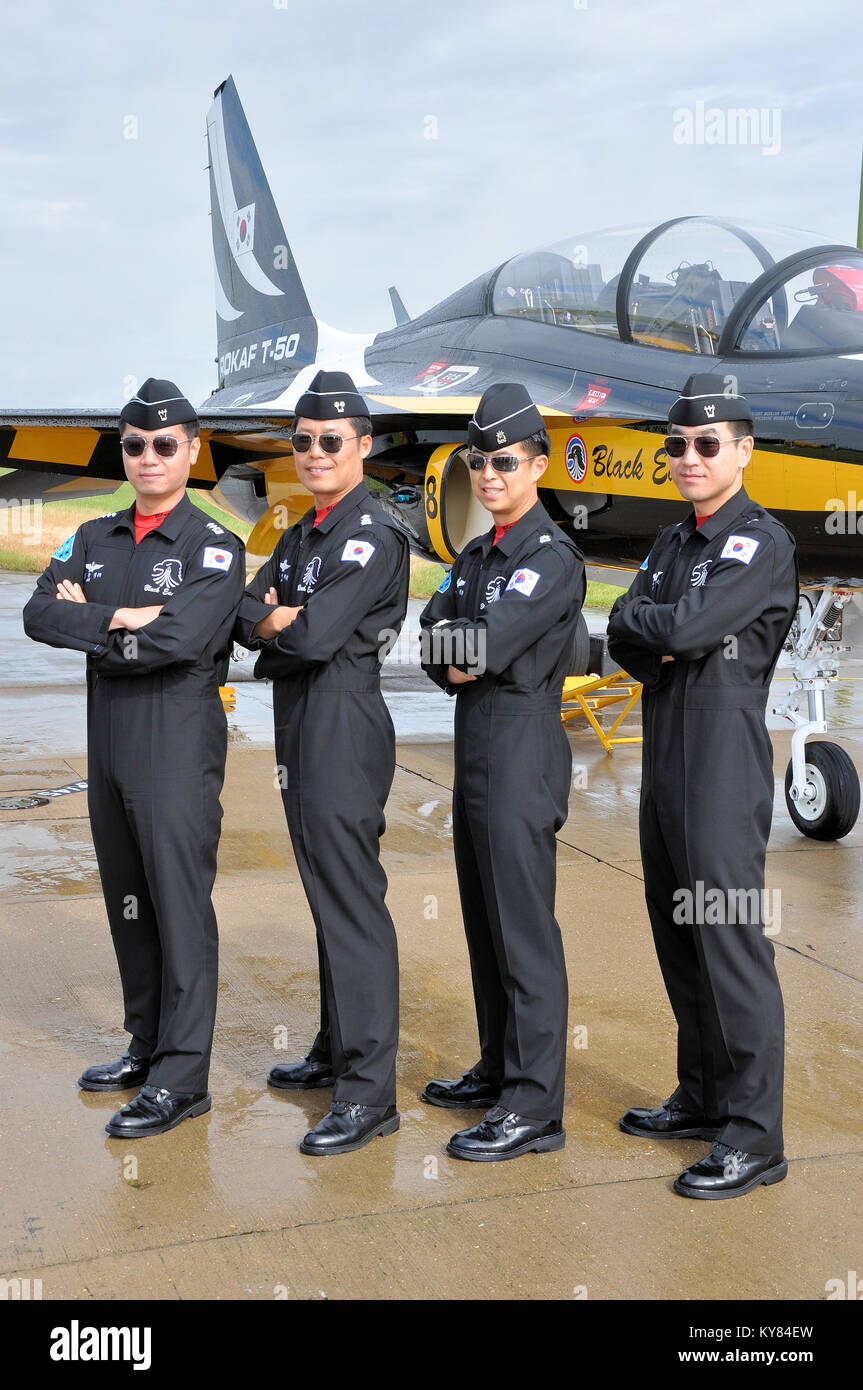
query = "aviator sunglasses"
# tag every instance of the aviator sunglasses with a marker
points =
(165, 446)
(706, 445)
(330, 443)
(501, 463)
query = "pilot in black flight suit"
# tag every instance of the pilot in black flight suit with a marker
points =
(333, 592)
(151, 594)
(703, 625)
(507, 613)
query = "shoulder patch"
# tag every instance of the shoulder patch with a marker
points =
(645, 561)
(216, 530)
(64, 551)
(739, 548)
(365, 519)
(361, 551)
(544, 538)
(216, 559)
(445, 582)
(524, 581)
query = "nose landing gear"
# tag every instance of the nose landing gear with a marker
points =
(822, 788)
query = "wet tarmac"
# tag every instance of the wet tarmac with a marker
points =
(226, 1207)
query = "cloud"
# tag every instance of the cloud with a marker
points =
(551, 121)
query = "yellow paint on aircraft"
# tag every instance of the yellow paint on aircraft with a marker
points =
(54, 444)
(288, 499)
(622, 461)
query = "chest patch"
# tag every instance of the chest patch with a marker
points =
(361, 551)
(523, 581)
(699, 574)
(166, 577)
(655, 578)
(93, 571)
(311, 574)
(739, 548)
(494, 588)
(284, 568)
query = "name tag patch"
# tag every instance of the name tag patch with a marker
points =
(523, 581)
(739, 548)
(216, 559)
(361, 551)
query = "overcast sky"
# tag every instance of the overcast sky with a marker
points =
(550, 118)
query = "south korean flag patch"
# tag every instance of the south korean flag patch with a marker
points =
(739, 548)
(216, 559)
(361, 551)
(523, 582)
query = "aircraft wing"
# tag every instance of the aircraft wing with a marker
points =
(75, 453)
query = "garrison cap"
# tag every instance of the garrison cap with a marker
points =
(158, 403)
(330, 396)
(505, 415)
(704, 401)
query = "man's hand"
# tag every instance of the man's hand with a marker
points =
(275, 622)
(134, 618)
(457, 677)
(667, 658)
(73, 593)
(130, 618)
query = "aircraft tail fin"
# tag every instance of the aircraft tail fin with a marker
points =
(263, 317)
(400, 313)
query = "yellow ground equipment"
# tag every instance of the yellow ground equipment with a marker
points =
(584, 695)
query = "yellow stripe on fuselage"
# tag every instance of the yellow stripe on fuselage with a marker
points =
(630, 462)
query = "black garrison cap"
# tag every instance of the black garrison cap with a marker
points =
(705, 400)
(330, 396)
(505, 415)
(158, 403)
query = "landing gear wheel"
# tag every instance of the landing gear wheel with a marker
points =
(834, 809)
(580, 654)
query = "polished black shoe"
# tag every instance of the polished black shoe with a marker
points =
(503, 1134)
(348, 1126)
(155, 1111)
(669, 1121)
(469, 1092)
(727, 1172)
(301, 1076)
(124, 1075)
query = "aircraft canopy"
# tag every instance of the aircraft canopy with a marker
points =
(695, 284)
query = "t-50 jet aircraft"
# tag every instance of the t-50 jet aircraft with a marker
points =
(603, 329)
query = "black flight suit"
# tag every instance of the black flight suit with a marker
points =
(335, 745)
(522, 597)
(156, 746)
(720, 600)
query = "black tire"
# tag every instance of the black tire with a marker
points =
(835, 809)
(579, 658)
